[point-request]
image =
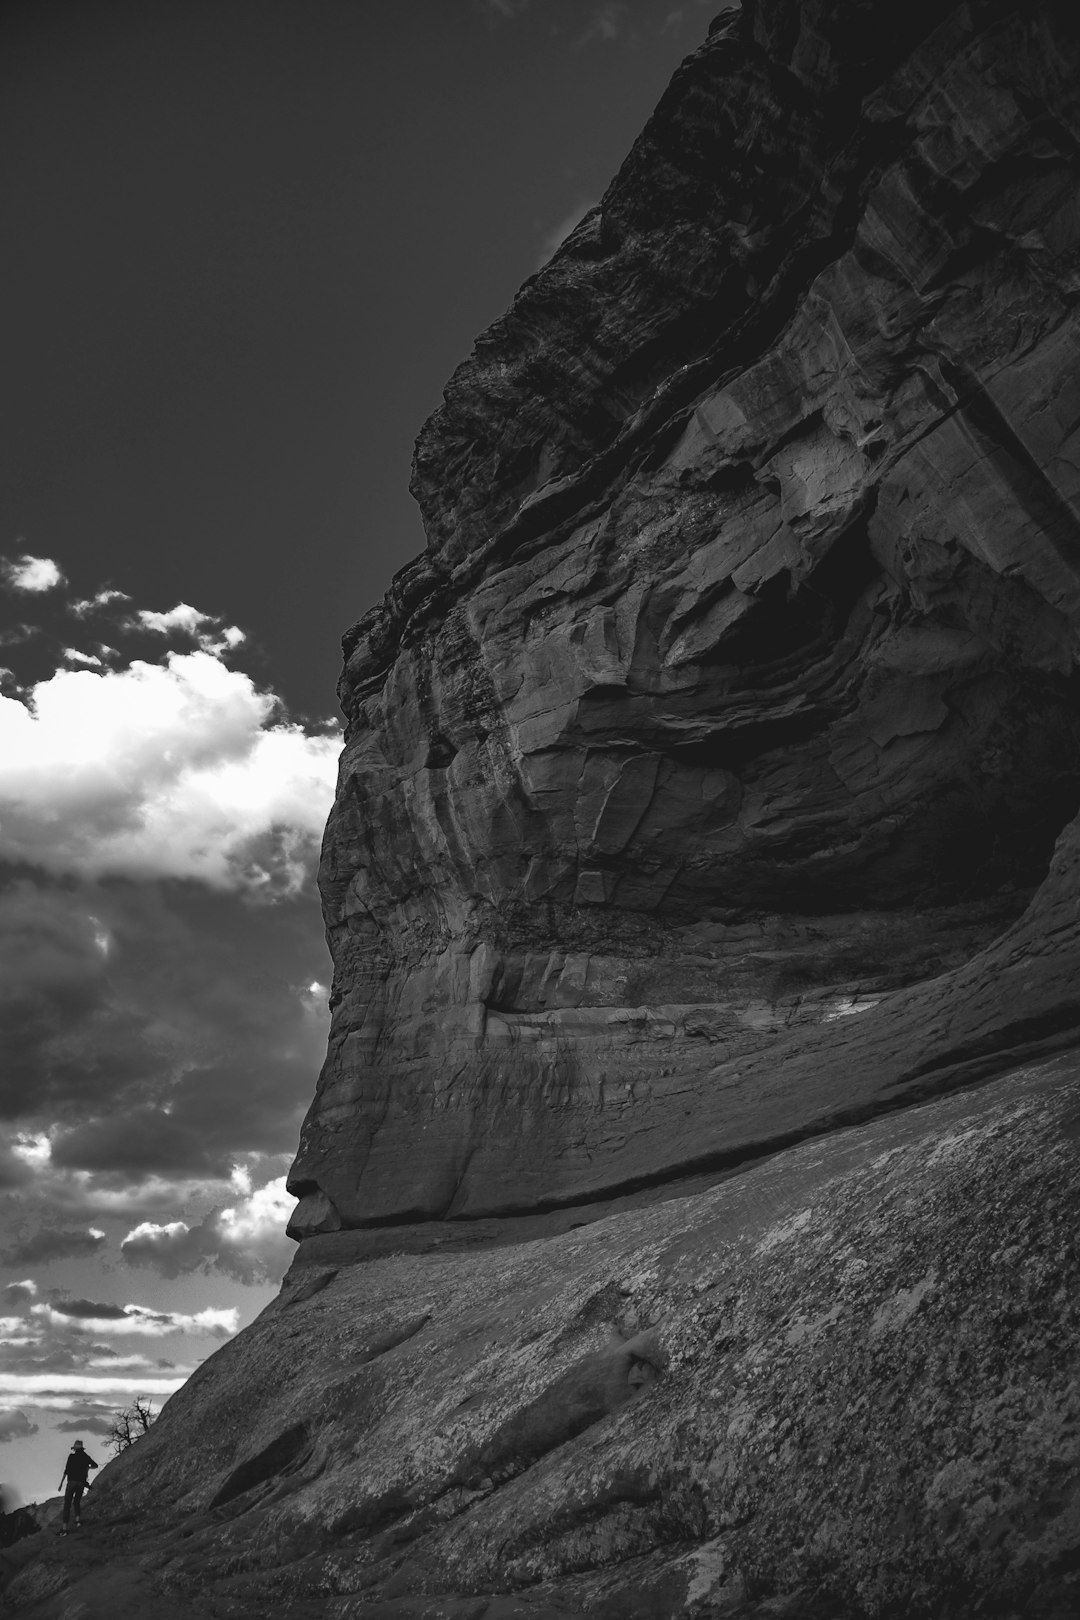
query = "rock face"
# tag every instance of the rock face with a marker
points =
(841, 1383)
(735, 692)
(689, 1201)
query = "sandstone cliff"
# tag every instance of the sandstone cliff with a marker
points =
(689, 1201)
(735, 691)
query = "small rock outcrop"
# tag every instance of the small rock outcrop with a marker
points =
(688, 1206)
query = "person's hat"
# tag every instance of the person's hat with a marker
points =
(77, 1445)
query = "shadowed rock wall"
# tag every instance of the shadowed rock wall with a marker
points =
(702, 780)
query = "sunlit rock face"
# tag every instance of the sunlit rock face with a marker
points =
(710, 779)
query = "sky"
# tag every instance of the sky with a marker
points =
(247, 243)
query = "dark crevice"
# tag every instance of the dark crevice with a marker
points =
(272, 1460)
(1024, 1034)
(1033, 489)
(441, 753)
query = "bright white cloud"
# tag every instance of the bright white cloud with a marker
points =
(72, 655)
(80, 1384)
(101, 599)
(30, 574)
(33, 1147)
(246, 1240)
(265, 1213)
(163, 770)
(160, 1234)
(181, 617)
(210, 634)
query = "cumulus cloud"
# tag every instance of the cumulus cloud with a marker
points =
(31, 575)
(102, 599)
(83, 1357)
(15, 1425)
(154, 1030)
(210, 633)
(245, 1240)
(176, 770)
(151, 1041)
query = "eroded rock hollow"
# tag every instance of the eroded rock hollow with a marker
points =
(696, 772)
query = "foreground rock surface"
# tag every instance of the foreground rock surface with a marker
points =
(735, 693)
(841, 1382)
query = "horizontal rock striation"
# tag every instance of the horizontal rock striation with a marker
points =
(711, 778)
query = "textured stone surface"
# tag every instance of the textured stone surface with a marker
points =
(735, 692)
(843, 1382)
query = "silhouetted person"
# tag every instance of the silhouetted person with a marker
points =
(77, 1473)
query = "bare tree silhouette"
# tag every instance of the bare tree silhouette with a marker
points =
(131, 1423)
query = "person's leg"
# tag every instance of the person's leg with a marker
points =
(80, 1487)
(68, 1496)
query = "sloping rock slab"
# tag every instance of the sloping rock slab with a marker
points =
(846, 1377)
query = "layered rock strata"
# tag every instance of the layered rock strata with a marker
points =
(710, 779)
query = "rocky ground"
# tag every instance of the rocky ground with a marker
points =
(840, 1382)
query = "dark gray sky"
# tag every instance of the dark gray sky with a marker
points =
(248, 243)
(245, 246)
